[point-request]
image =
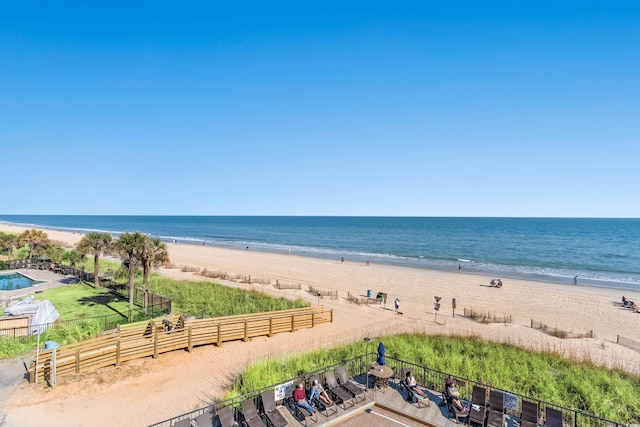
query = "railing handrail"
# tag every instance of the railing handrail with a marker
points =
(235, 401)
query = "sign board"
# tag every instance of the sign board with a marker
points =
(281, 391)
(436, 306)
(511, 402)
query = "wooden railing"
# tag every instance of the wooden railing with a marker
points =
(143, 339)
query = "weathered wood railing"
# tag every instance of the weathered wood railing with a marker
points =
(143, 339)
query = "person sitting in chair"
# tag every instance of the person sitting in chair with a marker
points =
(300, 399)
(454, 396)
(318, 392)
(413, 386)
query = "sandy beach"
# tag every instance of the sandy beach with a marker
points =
(146, 391)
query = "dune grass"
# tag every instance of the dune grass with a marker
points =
(212, 299)
(86, 329)
(610, 394)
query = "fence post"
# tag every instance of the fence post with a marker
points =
(246, 331)
(118, 350)
(219, 344)
(270, 326)
(313, 319)
(293, 322)
(77, 361)
(189, 345)
(155, 343)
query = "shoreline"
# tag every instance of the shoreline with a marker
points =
(357, 257)
(144, 389)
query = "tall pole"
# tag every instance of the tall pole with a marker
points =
(366, 360)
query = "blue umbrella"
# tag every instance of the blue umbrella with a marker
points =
(381, 352)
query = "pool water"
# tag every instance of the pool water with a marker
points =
(13, 281)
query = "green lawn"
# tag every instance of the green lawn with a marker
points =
(81, 300)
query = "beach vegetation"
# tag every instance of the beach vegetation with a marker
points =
(72, 258)
(35, 241)
(8, 244)
(607, 393)
(96, 244)
(212, 299)
(84, 330)
(131, 247)
(154, 255)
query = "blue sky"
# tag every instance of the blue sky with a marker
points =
(429, 108)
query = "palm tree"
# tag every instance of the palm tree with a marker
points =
(8, 242)
(35, 239)
(96, 244)
(130, 247)
(154, 255)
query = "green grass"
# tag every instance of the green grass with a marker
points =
(610, 394)
(86, 329)
(81, 300)
(212, 299)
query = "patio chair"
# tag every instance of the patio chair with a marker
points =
(553, 418)
(274, 417)
(529, 416)
(327, 410)
(478, 409)
(349, 385)
(226, 417)
(204, 420)
(453, 410)
(251, 416)
(338, 393)
(496, 409)
(412, 397)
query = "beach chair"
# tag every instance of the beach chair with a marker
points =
(478, 409)
(496, 409)
(226, 417)
(204, 420)
(412, 397)
(250, 414)
(453, 410)
(529, 416)
(327, 410)
(338, 393)
(553, 418)
(271, 412)
(349, 385)
(183, 423)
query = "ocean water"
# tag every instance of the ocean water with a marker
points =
(601, 252)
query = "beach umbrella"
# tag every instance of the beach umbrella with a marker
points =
(381, 352)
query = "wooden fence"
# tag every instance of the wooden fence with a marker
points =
(629, 343)
(143, 339)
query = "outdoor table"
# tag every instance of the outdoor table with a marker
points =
(381, 374)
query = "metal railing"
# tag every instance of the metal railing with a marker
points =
(427, 377)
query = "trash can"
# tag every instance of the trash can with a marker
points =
(48, 345)
(369, 293)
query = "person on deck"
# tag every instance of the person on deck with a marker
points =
(300, 398)
(413, 385)
(318, 392)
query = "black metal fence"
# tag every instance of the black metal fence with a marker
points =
(108, 321)
(430, 378)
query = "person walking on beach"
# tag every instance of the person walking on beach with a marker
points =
(397, 304)
(575, 280)
(459, 268)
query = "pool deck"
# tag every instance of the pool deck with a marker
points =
(49, 279)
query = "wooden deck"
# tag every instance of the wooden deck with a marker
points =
(382, 408)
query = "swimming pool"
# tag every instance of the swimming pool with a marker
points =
(13, 281)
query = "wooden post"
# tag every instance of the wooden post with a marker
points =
(331, 317)
(155, 344)
(118, 352)
(270, 326)
(189, 345)
(219, 341)
(77, 361)
(313, 319)
(246, 331)
(293, 322)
